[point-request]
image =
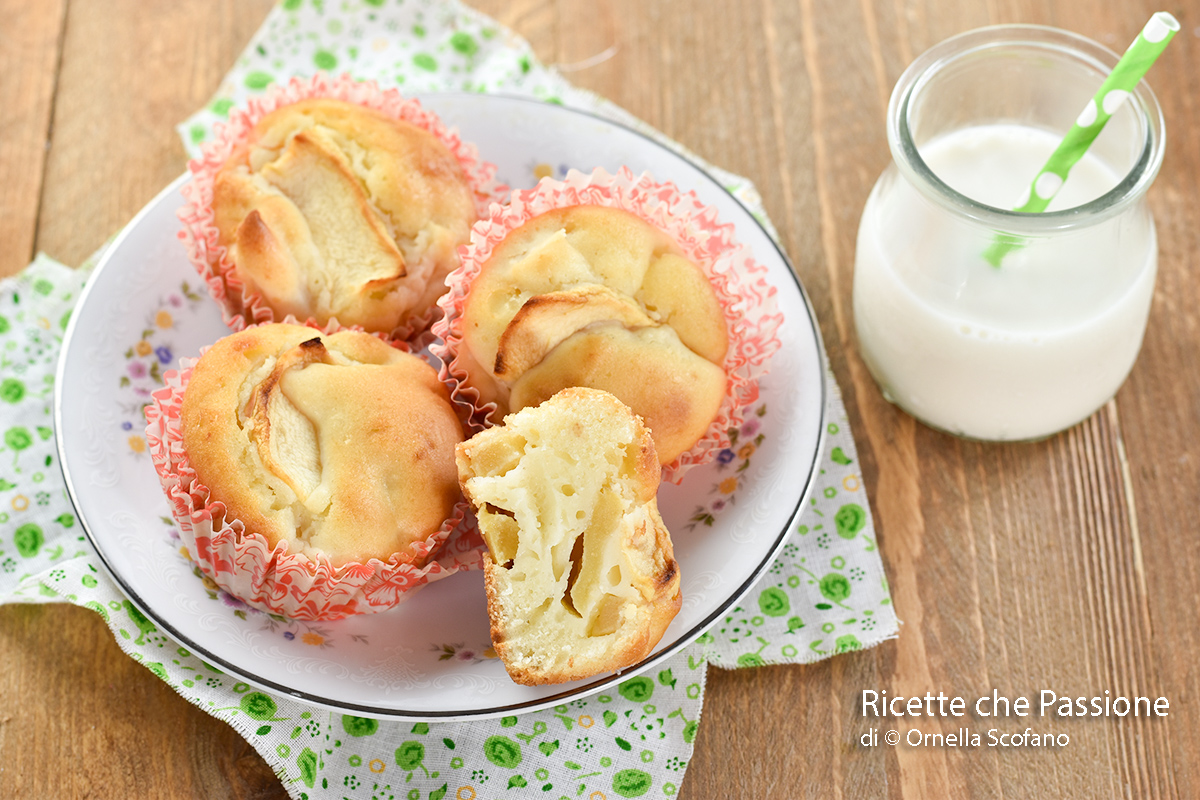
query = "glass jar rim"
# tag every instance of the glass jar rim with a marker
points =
(1132, 186)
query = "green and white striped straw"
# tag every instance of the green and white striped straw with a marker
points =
(1115, 90)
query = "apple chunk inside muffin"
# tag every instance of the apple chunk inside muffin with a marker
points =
(580, 572)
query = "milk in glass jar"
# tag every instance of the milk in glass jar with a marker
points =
(1028, 346)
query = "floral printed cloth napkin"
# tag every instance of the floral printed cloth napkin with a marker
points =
(825, 594)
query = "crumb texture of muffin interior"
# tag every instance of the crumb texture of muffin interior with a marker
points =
(595, 296)
(580, 571)
(335, 210)
(339, 445)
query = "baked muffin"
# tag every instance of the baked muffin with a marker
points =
(331, 210)
(642, 301)
(580, 573)
(339, 446)
(594, 296)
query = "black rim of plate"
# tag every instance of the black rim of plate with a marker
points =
(495, 711)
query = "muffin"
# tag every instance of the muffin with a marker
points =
(579, 569)
(335, 204)
(618, 283)
(595, 296)
(313, 474)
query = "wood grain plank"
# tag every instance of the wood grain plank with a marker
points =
(1160, 418)
(130, 71)
(102, 725)
(30, 42)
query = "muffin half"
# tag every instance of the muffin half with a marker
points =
(580, 571)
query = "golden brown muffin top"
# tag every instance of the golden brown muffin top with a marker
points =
(595, 296)
(336, 444)
(331, 209)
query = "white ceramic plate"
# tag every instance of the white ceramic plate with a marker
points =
(429, 658)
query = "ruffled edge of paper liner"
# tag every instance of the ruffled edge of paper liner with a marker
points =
(272, 579)
(200, 236)
(739, 282)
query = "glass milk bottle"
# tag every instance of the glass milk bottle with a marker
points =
(1032, 346)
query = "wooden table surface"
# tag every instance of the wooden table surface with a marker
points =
(1071, 564)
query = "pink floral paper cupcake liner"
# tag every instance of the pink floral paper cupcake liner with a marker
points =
(738, 280)
(241, 307)
(272, 579)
